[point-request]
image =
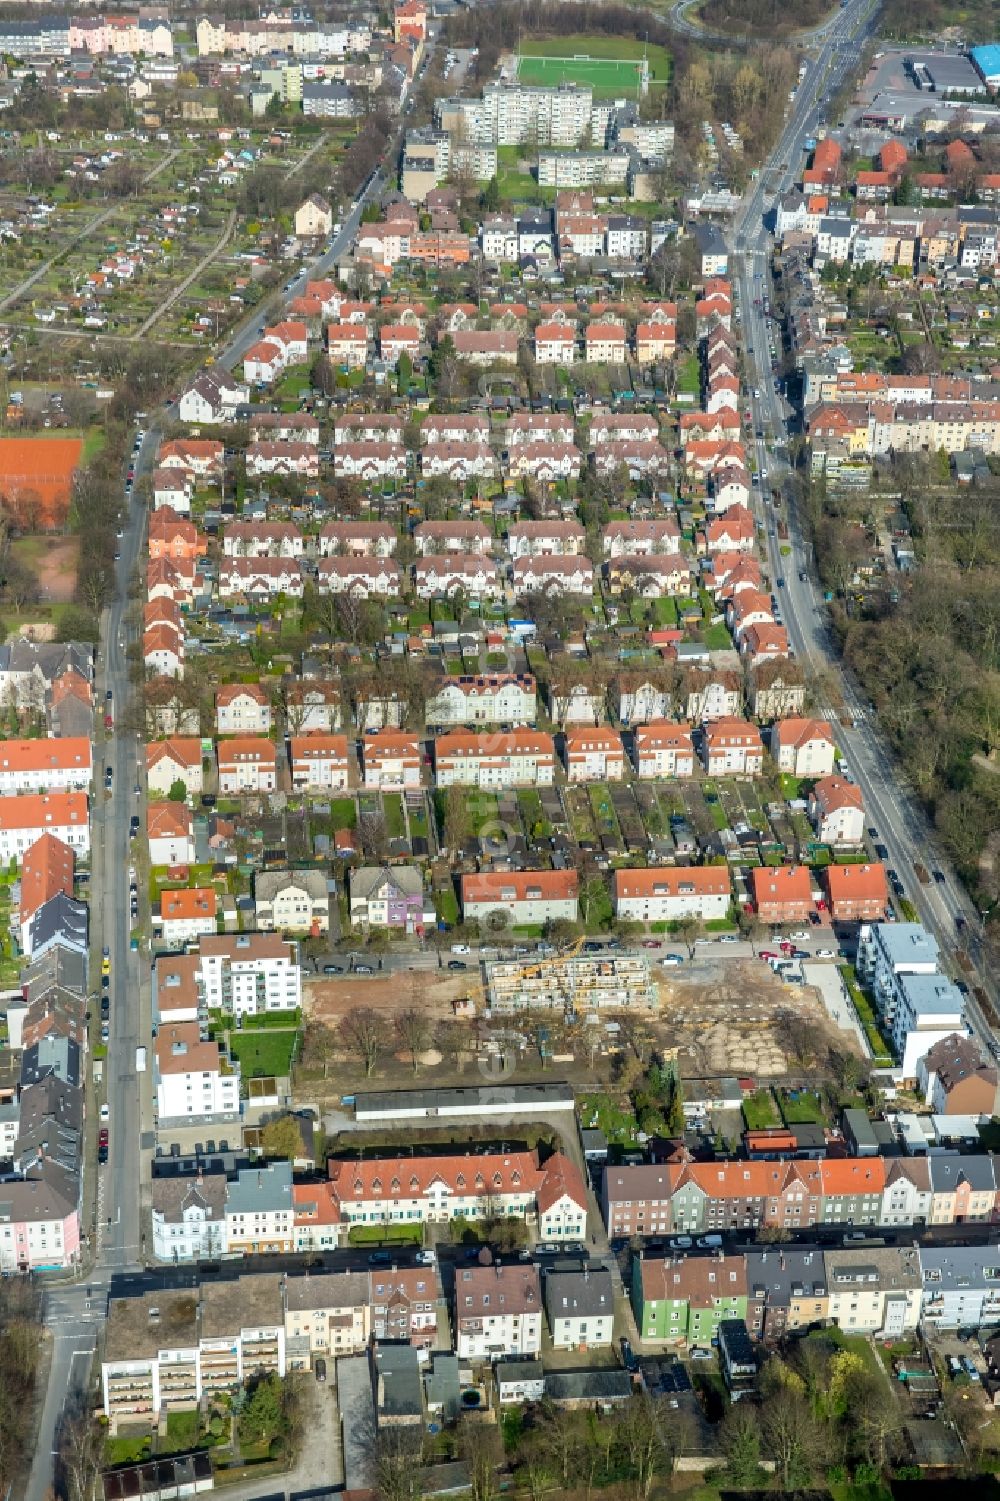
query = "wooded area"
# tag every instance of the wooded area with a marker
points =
(930, 658)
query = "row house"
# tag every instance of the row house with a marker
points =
(732, 747)
(172, 490)
(498, 1312)
(683, 1299)
(432, 537)
(319, 762)
(375, 460)
(517, 758)
(856, 893)
(527, 539)
(261, 578)
(649, 575)
(361, 577)
(172, 537)
(163, 651)
(277, 457)
(368, 427)
(594, 754)
(528, 897)
(553, 574)
(483, 698)
(397, 339)
(437, 1189)
(457, 461)
(357, 539)
(695, 1197)
(201, 458)
(669, 894)
(455, 427)
(621, 539)
(545, 462)
(639, 459)
(284, 427)
(346, 345)
(263, 539)
(555, 344)
(539, 427)
(27, 816)
(391, 760)
(746, 608)
(782, 893)
(247, 764)
(485, 347)
(733, 531)
(45, 765)
(242, 709)
(456, 573)
(605, 343)
(614, 427)
(663, 749)
(174, 760)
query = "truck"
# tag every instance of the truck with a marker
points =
(140, 1060)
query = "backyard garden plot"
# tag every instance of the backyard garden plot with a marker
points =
(629, 818)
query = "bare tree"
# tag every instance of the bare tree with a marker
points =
(479, 1446)
(364, 1032)
(414, 1032)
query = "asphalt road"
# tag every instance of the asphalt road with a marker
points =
(899, 821)
(75, 1309)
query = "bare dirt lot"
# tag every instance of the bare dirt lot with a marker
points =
(54, 562)
(729, 1019)
(328, 1001)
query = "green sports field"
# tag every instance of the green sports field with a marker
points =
(604, 75)
(610, 65)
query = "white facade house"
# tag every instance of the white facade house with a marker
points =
(246, 974)
(498, 1312)
(488, 698)
(24, 819)
(580, 1308)
(192, 1080)
(667, 894)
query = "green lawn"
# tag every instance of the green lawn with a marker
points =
(395, 818)
(716, 637)
(446, 903)
(606, 63)
(377, 1235)
(759, 1111)
(619, 1125)
(343, 813)
(263, 1054)
(801, 1108)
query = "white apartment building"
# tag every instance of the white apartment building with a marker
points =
(25, 819)
(594, 754)
(245, 974)
(488, 698)
(670, 893)
(498, 1312)
(518, 758)
(193, 1081)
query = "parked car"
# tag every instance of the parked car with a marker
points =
(701, 1354)
(455, 964)
(425, 1258)
(670, 961)
(629, 1360)
(380, 1258)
